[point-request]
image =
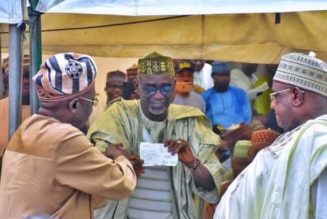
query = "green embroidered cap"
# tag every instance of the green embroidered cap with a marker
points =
(156, 64)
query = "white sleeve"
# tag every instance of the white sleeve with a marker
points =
(207, 70)
(319, 196)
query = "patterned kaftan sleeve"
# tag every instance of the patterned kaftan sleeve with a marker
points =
(205, 143)
(111, 127)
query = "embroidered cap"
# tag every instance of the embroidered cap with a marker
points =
(220, 67)
(65, 76)
(156, 64)
(304, 71)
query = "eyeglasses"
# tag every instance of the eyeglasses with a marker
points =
(94, 102)
(164, 89)
(274, 95)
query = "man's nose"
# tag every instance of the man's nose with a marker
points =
(272, 104)
(118, 89)
(158, 95)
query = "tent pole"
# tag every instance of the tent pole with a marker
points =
(35, 51)
(15, 77)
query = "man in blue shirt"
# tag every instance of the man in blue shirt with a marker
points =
(226, 105)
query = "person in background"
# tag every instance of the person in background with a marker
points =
(184, 87)
(202, 74)
(226, 105)
(262, 103)
(297, 160)
(114, 85)
(132, 73)
(114, 89)
(245, 78)
(4, 103)
(130, 86)
(162, 191)
(49, 166)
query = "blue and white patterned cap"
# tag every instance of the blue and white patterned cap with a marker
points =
(65, 76)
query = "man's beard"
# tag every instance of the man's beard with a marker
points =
(158, 108)
(221, 88)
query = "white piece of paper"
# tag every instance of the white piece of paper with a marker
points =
(155, 154)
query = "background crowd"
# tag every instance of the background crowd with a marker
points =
(215, 115)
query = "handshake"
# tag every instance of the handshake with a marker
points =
(116, 150)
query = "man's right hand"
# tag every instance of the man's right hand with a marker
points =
(137, 163)
(115, 150)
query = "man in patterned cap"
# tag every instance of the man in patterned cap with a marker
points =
(49, 166)
(162, 191)
(289, 178)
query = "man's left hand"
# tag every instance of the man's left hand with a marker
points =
(184, 151)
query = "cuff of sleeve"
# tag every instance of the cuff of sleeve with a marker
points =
(101, 146)
(123, 159)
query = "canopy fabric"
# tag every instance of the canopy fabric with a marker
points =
(10, 12)
(240, 38)
(178, 7)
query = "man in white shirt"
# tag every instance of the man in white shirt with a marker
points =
(202, 74)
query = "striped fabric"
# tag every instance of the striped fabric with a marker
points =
(152, 197)
(65, 74)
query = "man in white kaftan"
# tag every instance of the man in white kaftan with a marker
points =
(289, 178)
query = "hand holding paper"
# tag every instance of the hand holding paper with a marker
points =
(184, 151)
(155, 154)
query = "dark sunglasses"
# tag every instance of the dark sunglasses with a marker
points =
(164, 89)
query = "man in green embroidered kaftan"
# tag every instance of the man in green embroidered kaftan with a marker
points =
(162, 192)
(289, 178)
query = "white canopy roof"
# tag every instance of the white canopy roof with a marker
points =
(178, 7)
(10, 11)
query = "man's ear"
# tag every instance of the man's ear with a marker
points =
(73, 105)
(298, 96)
